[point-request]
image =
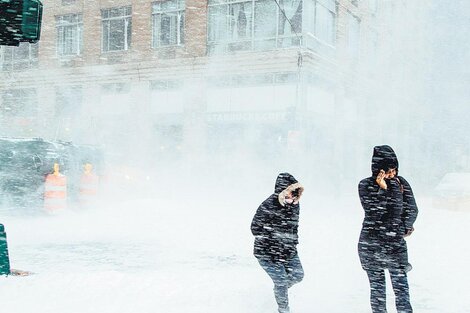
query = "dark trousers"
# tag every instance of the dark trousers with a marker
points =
(400, 288)
(284, 276)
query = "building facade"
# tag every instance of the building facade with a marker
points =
(195, 74)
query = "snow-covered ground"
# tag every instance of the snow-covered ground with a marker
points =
(193, 254)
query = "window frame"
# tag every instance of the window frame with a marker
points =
(32, 61)
(212, 44)
(127, 18)
(78, 42)
(311, 30)
(180, 29)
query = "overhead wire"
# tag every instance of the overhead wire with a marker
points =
(300, 56)
(288, 20)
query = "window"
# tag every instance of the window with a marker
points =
(293, 11)
(253, 80)
(117, 28)
(322, 21)
(231, 25)
(354, 36)
(19, 103)
(69, 34)
(253, 24)
(68, 100)
(159, 85)
(115, 88)
(18, 58)
(265, 24)
(168, 23)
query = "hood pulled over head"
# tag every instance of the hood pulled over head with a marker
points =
(283, 181)
(286, 184)
(384, 158)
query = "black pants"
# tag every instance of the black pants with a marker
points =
(400, 288)
(284, 276)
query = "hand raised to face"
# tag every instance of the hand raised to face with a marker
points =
(380, 180)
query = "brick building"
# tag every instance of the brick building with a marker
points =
(186, 74)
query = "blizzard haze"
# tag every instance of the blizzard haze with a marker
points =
(193, 137)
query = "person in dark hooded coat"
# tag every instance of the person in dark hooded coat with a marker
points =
(275, 227)
(390, 212)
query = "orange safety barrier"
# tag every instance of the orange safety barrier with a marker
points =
(55, 192)
(89, 184)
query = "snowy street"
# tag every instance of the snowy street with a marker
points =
(137, 259)
(204, 156)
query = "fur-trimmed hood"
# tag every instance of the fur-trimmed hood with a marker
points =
(286, 183)
(282, 195)
(283, 181)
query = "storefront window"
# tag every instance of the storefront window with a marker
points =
(253, 24)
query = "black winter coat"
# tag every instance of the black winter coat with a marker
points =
(389, 214)
(275, 226)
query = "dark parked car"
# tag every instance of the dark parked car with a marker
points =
(24, 164)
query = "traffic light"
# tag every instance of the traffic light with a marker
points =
(20, 21)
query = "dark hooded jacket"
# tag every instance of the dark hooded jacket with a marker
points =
(389, 214)
(275, 226)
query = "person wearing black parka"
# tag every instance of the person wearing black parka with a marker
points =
(275, 227)
(390, 212)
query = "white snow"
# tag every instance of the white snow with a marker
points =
(194, 255)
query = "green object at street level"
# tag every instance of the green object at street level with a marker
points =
(4, 257)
